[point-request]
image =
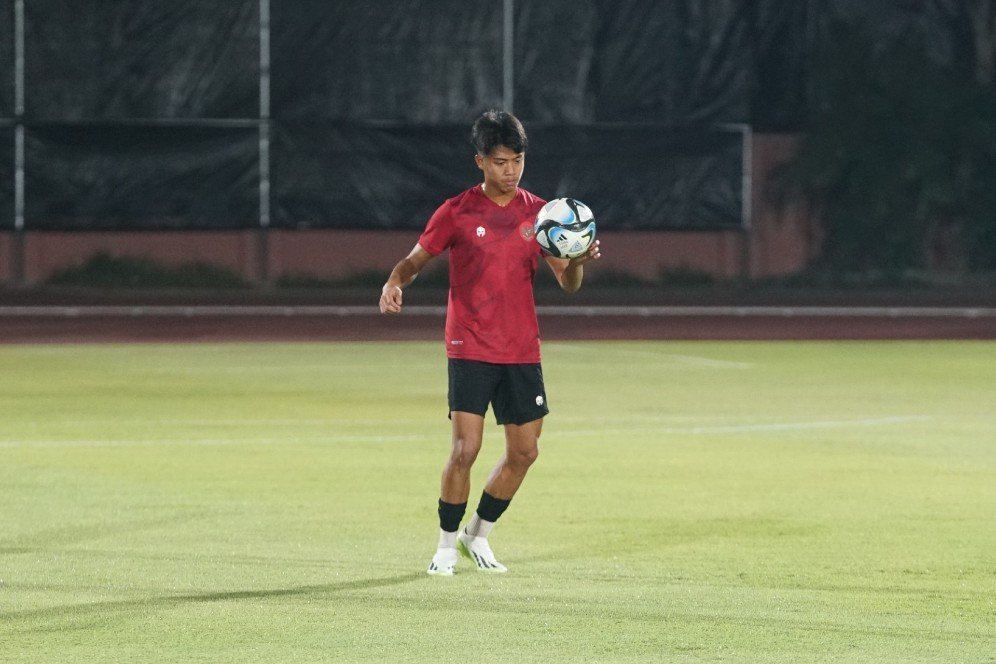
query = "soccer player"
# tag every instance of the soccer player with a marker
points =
(492, 335)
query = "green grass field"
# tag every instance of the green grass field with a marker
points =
(745, 502)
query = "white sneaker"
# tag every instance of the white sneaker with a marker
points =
(443, 562)
(478, 550)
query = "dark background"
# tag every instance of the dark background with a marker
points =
(145, 115)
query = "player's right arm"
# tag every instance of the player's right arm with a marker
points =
(403, 274)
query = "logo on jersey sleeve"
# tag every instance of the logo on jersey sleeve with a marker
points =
(481, 231)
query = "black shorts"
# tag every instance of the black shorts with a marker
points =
(515, 390)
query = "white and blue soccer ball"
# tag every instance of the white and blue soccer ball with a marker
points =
(565, 228)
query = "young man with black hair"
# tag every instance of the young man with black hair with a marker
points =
(492, 335)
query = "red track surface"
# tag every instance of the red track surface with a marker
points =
(329, 325)
(101, 329)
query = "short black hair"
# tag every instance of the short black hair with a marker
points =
(496, 128)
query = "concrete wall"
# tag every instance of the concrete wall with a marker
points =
(781, 240)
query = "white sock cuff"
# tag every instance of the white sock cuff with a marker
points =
(478, 527)
(447, 540)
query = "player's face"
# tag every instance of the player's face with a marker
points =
(502, 169)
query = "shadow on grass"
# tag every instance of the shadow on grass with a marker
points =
(81, 617)
(96, 611)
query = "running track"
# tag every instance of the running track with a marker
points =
(206, 323)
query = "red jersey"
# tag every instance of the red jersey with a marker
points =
(491, 314)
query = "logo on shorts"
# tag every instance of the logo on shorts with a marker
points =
(539, 400)
(481, 231)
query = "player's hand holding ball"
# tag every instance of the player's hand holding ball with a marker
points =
(593, 253)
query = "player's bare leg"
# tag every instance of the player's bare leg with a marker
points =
(521, 451)
(468, 432)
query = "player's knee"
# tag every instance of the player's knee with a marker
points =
(524, 457)
(464, 452)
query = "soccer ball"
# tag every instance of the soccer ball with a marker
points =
(565, 228)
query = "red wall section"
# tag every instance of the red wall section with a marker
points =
(782, 240)
(47, 253)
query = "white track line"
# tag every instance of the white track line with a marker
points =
(694, 360)
(211, 442)
(770, 427)
(405, 438)
(780, 312)
(799, 426)
(581, 311)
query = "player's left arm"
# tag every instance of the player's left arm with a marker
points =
(570, 273)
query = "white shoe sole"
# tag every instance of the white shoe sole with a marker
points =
(439, 571)
(443, 568)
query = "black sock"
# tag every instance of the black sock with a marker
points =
(450, 515)
(490, 508)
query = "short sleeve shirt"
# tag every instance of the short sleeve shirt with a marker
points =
(491, 313)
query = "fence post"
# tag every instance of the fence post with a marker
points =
(17, 247)
(747, 268)
(263, 240)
